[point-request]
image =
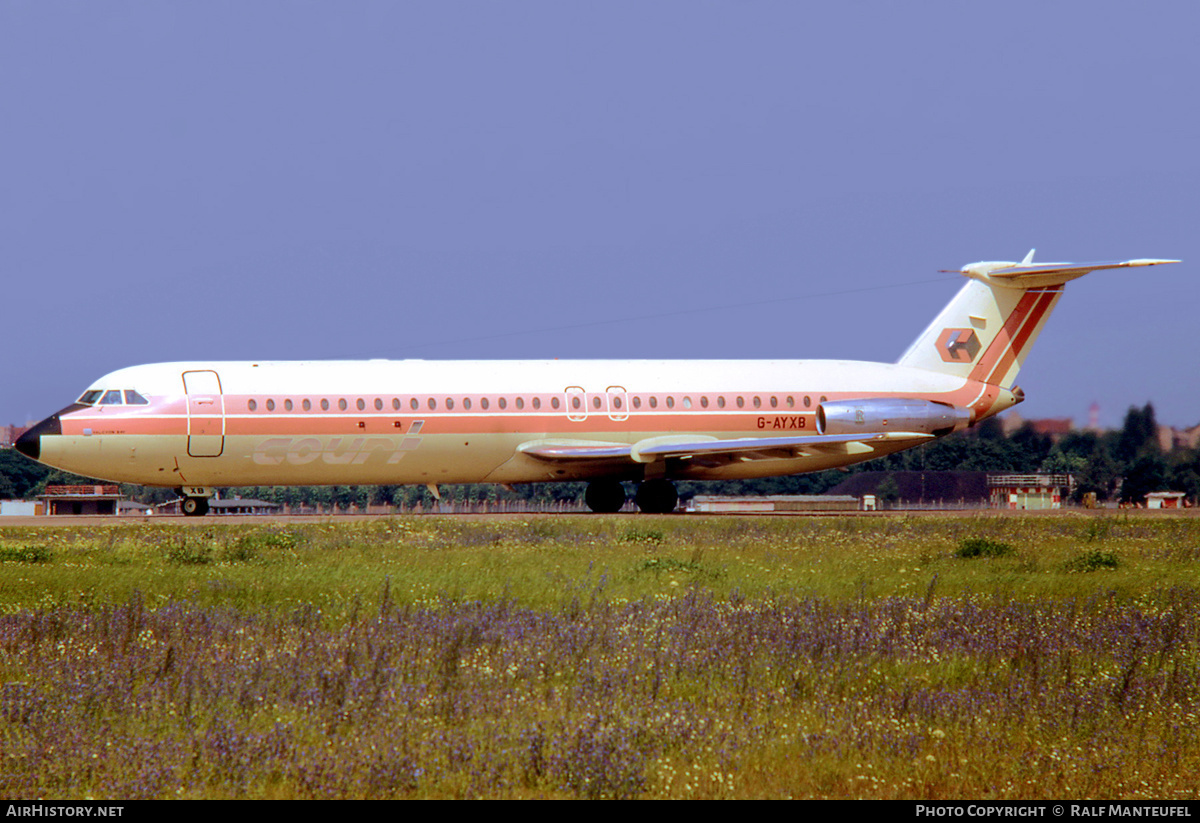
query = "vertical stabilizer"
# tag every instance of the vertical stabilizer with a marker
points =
(988, 329)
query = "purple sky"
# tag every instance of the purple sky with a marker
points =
(445, 180)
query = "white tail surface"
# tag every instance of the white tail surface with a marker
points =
(988, 329)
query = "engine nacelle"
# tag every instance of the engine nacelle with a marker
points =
(877, 415)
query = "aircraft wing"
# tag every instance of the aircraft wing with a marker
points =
(710, 451)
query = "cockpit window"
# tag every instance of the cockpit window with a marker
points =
(111, 398)
(132, 398)
(89, 397)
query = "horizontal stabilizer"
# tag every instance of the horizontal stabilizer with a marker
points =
(1027, 274)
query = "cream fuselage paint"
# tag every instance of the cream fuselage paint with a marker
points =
(268, 426)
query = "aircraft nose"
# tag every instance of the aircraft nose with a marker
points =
(30, 443)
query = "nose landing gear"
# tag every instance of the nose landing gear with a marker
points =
(195, 500)
(194, 506)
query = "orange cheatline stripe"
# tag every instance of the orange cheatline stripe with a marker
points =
(1000, 342)
(1045, 303)
(1019, 324)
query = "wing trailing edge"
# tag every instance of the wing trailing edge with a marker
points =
(681, 447)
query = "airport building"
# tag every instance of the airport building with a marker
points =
(99, 499)
(1029, 491)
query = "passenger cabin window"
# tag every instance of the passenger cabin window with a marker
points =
(252, 405)
(111, 398)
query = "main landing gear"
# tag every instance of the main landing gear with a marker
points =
(604, 496)
(656, 496)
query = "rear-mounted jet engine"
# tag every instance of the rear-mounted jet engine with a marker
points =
(885, 414)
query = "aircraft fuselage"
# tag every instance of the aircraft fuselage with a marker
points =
(402, 422)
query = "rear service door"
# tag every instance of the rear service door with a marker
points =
(206, 413)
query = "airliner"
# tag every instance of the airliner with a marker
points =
(196, 426)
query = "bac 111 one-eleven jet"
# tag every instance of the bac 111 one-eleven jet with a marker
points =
(196, 426)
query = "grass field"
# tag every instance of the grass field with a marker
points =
(651, 657)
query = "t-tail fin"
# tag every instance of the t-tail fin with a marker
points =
(987, 330)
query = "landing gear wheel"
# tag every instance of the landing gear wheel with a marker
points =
(604, 496)
(194, 506)
(657, 497)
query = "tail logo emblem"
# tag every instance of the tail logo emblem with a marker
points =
(958, 345)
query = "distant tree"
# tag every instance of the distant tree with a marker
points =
(1060, 462)
(888, 490)
(1183, 474)
(19, 475)
(1139, 435)
(1147, 474)
(1030, 448)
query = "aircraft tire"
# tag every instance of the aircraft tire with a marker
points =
(194, 506)
(657, 497)
(604, 496)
